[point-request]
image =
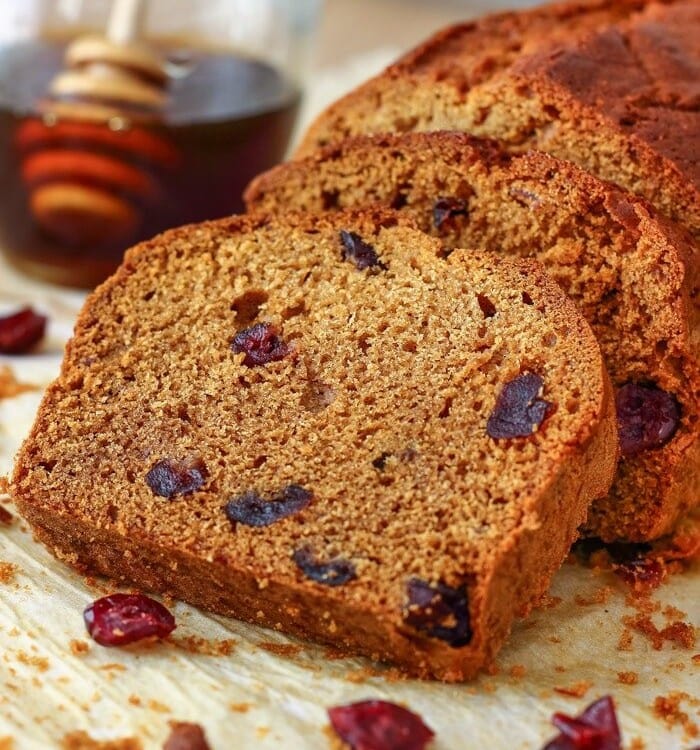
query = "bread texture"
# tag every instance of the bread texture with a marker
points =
(609, 86)
(256, 415)
(632, 274)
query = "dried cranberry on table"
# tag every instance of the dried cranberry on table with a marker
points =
(261, 344)
(595, 729)
(647, 417)
(20, 331)
(379, 725)
(186, 736)
(122, 619)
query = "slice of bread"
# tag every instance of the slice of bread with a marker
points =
(319, 425)
(610, 86)
(634, 276)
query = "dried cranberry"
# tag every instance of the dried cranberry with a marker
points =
(645, 573)
(261, 344)
(361, 253)
(186, 736)
(120, 619)
(169, 477)
(439, 611)
(379, 725)
(519, 410)
(446, 209)
(251, 510)
(20, 331)
(332, 573)
(647, 417)
(595, 729)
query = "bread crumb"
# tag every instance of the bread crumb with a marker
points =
(680, 633)
(547, 601)
(7, 743)
(600, 596)
(186, 736)
(204, 646)
(40, 662)
(4, 485)
(696, 659)
(240, 708)
(161, 708)
(281, 649)
(637, 744)
(625, 641)
(134, 700)
(82, 741)
(8, 571)
(577, 690)
(10, 386)
(518, 671)
(79, 647)
(628, 678)
(668, 709)
(673, 613)
(262, 732)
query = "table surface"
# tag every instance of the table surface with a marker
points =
(269, 691)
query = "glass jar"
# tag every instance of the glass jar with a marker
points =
(85, 174)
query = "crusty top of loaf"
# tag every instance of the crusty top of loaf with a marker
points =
(379, 410)
(630, 68)
(643, 73)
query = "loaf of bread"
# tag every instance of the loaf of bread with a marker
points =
(321, 425)
(633, 275)
(610, 86)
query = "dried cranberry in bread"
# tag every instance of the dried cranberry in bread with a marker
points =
(634, 276)
(311, 423)
(610, 86)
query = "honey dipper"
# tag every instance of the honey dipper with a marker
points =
(89, 163)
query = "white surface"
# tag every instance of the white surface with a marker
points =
(40, 613)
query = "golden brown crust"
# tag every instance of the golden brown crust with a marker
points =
(600, 243)
(618, 99)
(149, 376)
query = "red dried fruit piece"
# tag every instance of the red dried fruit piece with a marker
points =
(261, 344)
(170, 477)
(332, 573)
(186, 736)
(439, 611)
(361, 253)
(595, 729)
(519, 410)
(379, 725)
(645, 573)
(20, 331)
(647, 417)
(446, 209)
(121, 619)
(252, 510)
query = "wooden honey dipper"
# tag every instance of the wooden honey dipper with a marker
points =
(85, 162)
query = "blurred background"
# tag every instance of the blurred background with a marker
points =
(352, 27)
(121, 118)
